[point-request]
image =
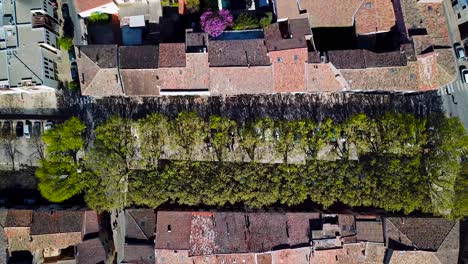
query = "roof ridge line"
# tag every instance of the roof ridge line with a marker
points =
(402, 234)
(139, 228)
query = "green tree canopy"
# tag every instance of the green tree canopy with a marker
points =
(59, 172)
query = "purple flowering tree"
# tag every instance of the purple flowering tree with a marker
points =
(214, 23)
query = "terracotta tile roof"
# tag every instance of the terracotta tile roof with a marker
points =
(149, 82)
(369, 231)
(322, 77)
(448, 251)
(314, 57)
(139, 254)
(18, 218)
(92, 222)
(347, 224)
(140, 224)
(140, 82)
(91, 251)
(361, 59)
(289, 34)
(98, 73)
(331, 13)
(424, 233)
(241, 80)
(289, 69)
(388, 78)
(299, 230)
(56, 222)
(426, 16)
(267, 230)
(195, 41)
(251, 52)
(173, 230)
(375, 16)
(172, 55)
(104, 56)
(138, 57)
(230, 232)
(347, 59)
(288, 9)
(84, 5)
(202, 234)
(54, 241)
(407, 257)
(194, 76)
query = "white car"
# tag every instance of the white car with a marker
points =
(26, 130)
(48, 125)
(464, 75)
(460, 51)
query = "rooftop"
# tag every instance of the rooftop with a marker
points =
(140, 224)
(290, 34)
(56, 222)
(331, 13)
(369, 231)
(375, 16)
(422, 233)
(361, 59)
(173, 230)
(90, 251)
(85, 5)
(172, 55)
(138, 57)
(97, 65)
(139, 253)
(251, 52)
(18, 218)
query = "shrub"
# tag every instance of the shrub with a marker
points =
(98, 17)
(72, 86)
(193, 6)
(246, 21)
(265, 21)
(170, 3)
(65, 43)
(214, 23)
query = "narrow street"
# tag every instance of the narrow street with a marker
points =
(455, 95)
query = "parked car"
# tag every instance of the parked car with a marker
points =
(27, 130)
(74, 71)
(36, 131)
(459, 51)
(48, 125)
(65, 11)
(464, 74)
(19, 129)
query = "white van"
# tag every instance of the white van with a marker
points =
(26, 132)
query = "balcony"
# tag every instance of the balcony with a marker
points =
(42, 20)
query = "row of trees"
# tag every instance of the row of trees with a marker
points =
(395, 161)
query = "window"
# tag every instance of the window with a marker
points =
(278, 59)
(412, 76)
(429, 8)
(459, 15)
(369, 5)
(464, 7)
(296, 58)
